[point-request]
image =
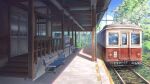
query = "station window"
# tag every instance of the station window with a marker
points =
(135, 38)
(124, 38)
(41, 27)
(113, 38)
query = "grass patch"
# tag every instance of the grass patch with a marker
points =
(143, 69)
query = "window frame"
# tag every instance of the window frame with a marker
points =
(139, 38)
(108, 38)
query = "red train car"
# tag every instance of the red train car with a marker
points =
(121, 44)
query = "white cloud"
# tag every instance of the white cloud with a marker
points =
(103, 22)
(109, 18)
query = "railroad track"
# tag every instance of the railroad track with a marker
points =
(146, 65)
(129, 76)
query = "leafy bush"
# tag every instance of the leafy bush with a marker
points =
(146, 47)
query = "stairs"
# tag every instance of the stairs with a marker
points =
(16, 67)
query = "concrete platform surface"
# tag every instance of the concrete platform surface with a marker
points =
(78, 69)
(81, 70)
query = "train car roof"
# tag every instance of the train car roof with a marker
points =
(120, 26)
(130, 26)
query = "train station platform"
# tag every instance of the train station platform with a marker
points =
(78, 69)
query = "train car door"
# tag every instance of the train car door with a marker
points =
(124, 46)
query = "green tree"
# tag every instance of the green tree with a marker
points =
(136, 12)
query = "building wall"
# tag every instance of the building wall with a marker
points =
(19, 31)
(4, 33)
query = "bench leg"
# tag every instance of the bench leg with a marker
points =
(54, 71)
(51, 69)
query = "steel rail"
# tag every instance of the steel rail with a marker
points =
(136, 73)
(121, 79)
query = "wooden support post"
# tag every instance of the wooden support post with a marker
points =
(68, 31)
(69, 37)
(48, 42)
(72, 37)
(47, 30)
(51, 38)
(5, 28)
(79, 35)
(93, 33)
(31, 29)
(75, 38)
(62, 29)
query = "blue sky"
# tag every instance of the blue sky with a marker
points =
(112, 6)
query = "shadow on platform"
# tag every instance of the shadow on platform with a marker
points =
(86, 53)
(52, 78)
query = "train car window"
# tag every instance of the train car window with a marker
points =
(124, 38)
(135, 38)
(113, 38)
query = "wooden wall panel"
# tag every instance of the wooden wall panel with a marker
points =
(19, 31)
(4, 31)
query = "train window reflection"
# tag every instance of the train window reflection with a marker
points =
(124, 39)
(135, 38)
(113, 38)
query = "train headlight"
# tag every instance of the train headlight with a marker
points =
(110, 54)
(138, 54)
(115, 54)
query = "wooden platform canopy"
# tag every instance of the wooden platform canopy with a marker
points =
(27, 26)
(77, 13)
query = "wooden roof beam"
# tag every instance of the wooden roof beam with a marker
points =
(80, 8)
(58, 5)
(93, 4)
(16, 1)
